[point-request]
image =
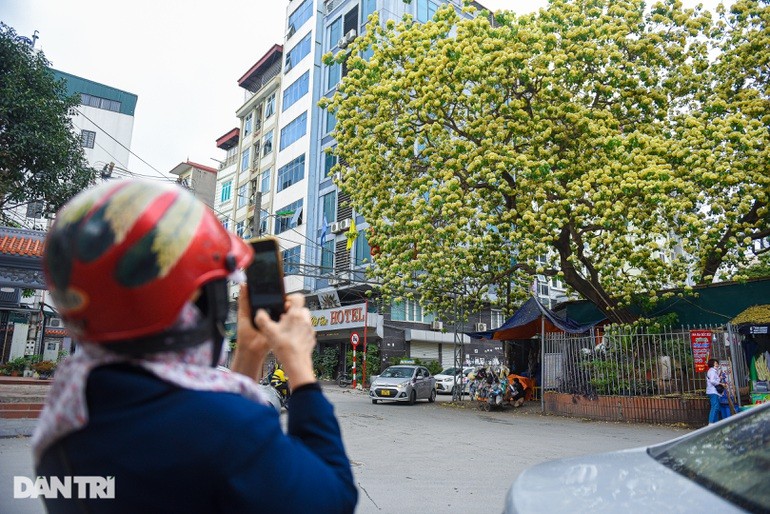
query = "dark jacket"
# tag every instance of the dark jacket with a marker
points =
(176, 450)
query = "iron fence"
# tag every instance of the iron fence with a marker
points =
(637, 361)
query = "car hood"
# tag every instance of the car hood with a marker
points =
(442, 377)
(628, 481)
(382, 381)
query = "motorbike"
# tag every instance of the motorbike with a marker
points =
(276, 387)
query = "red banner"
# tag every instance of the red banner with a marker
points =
(700, 340)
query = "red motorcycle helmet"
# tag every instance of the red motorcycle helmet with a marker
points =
(123, 257)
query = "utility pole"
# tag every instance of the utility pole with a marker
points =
(257, 220)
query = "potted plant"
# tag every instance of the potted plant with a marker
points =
(16, 367)
(44, 368)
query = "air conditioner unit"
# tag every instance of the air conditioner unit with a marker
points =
(334, 228)
(334, 281)
(54, 322)
(437, 325)
(342, 43)
(481, 327)
(337, 176)
(345, 224)
(350, 36)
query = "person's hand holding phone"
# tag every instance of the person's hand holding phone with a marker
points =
(252, 345)
(292, 339)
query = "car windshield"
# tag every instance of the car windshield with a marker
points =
(397, 373)
(450, 371)
(732, 460)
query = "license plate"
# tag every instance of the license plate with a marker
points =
(385, 393)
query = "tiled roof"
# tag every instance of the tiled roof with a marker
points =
(21, 245)
(21, 263)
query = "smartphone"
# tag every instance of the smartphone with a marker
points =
(264, 278)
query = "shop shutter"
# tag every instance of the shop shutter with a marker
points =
(447, 355)
(424, 351)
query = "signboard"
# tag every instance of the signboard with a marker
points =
(700, 340)
(758, 330)
(354, 339)
(350, 316)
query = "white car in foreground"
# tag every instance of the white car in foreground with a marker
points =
(720, 468)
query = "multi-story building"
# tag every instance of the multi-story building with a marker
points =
(104, 120)
(200, 179)
(302, 206)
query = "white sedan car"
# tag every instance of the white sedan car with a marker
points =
(720, 468)
(445, 381)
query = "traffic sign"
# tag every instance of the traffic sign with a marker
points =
(354, 339)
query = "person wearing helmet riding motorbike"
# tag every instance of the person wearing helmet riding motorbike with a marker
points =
(138, 271)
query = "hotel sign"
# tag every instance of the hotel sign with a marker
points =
(349, 316)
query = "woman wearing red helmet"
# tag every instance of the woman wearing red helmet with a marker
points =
(138, 272)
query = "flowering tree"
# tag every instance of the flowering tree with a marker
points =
(485, 150)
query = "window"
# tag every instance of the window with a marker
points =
(329, 162)
(497, 318)
(270, 106)
(35, 209)
(294, 130)
(99, 103)
(335, 74)
(87, 138)
(291, 261)
(296, 54)
(327, 257)
(226, 223)
(254, 188)
(267, 144)
(265, 185)
(247, 124)
(331, 121)
(351, 21)
(300, 15)
(426, 9)
(227, 191)
(329, 206)
(363, 252)
(295, 91)
(291, 218)
(245, 159)
(335, 32)
(263, 222)
(367, 8)
(239, 228)
(255, 153)
(291, 173)
(243, 195)
(408, 310)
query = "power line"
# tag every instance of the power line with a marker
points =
(121, 144)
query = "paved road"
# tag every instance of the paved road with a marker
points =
(439, 458)
(425, 458)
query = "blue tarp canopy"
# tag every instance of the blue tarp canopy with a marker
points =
(526, 322)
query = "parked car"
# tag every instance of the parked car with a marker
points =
(445, 381)
(403, 383)
(719, 468)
